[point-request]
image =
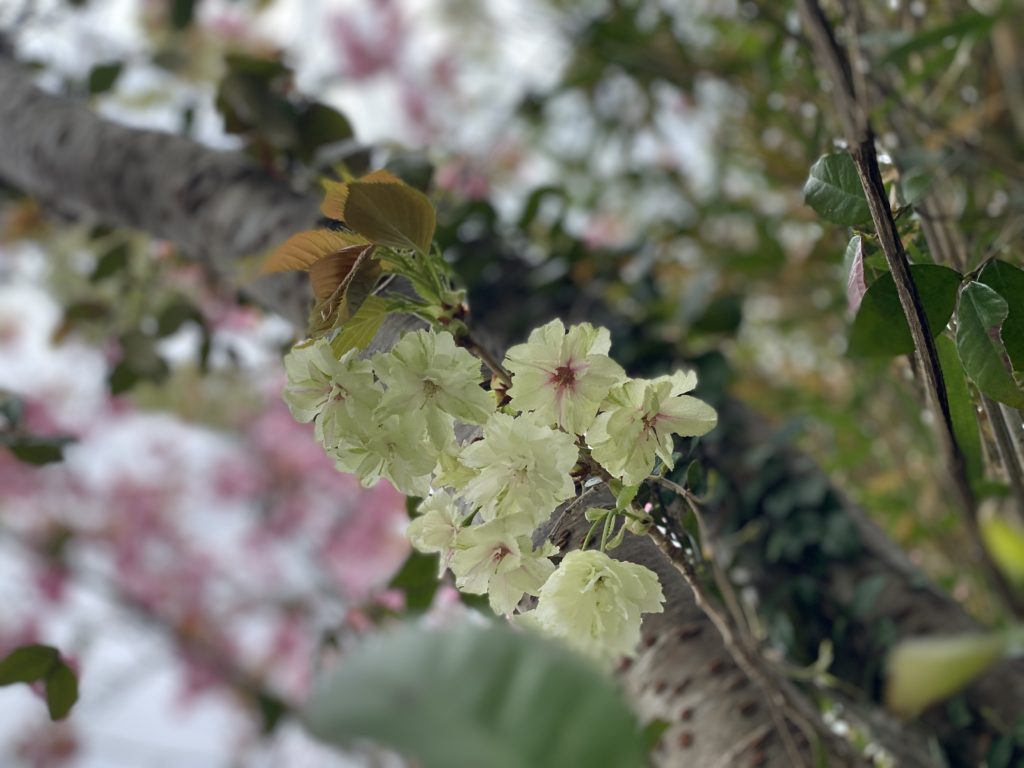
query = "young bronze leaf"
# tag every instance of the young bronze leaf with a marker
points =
(343, 302)
(335, 194)
(386, 211)
(331, 271)
(357, 290)
(301, 251)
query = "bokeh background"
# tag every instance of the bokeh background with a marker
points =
(636, 164)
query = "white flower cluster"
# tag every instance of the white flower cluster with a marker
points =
(393, 416)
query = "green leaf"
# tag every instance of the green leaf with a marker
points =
(833, 190)
(914, 184)
(1008, 281)
(722, 315)
(359, 331)
(979, 318)
(175, 314)
(111, 262)
(272, 710)
(61, 691)
(12, 410)
(122, 378)
(249, 104)
(923, 671)
(102, 77)
(28, 664)
(1000, 753)
(472, 697)
(182, 13)
(967, 25)
(880, 328)
(140, 361)
(866, 594)
(961, 409)
(418, 580)
(1005, 543)
(36, 450)
(319, 125)
(625, 494)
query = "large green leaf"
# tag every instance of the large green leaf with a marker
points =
(880, 328)
(833, 190)
(923, 671)
(979, 319)
(1008, 281)
(961, 408)
(472, 697)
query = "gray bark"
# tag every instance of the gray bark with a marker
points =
(219, 208)
(216, 206)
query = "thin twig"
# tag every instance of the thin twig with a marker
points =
(1007, 451)
(729, 759)
(779, 692)
(473, 345)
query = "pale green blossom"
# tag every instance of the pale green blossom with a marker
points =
(595, 602)
(395, 448)
(563, 377)
(436, 526)
(639, 419)
(498, 558)
(426, 372)
(328, 391)
(450, 471)
(522, 467)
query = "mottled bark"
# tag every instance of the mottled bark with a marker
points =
(218, 208)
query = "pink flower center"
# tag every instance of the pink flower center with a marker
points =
(564, 376)
(500, 553)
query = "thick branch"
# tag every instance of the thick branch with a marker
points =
(77, 163)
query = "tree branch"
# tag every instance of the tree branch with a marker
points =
(75, 162)
(853, 113)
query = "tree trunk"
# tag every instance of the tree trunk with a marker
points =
(219, 208)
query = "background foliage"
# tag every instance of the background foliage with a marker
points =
(671, 172)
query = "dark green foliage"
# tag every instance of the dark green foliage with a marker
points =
(980, 316)
(880, 328)
(1008, 281)
(42, 663)
(833, 190)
